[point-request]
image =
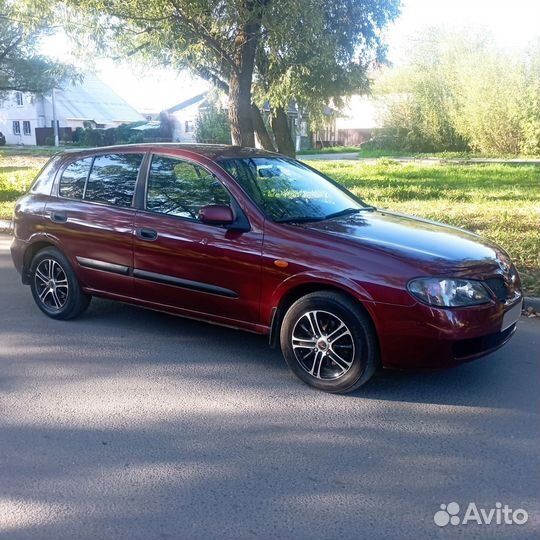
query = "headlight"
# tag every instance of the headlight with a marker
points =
(445, 292)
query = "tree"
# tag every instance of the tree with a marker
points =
(320, 62)
(462, 92)
(221, 41)
(21, 68)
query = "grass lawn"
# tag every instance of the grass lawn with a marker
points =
(330, 150)
(501, 202)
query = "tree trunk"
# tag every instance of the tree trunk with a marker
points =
(240, 109)
(282, 133)
(260, 129)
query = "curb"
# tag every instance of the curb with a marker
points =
(532, 301)
(6, 226)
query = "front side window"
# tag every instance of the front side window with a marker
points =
(73, 179)
(19, 99)
(179, 188)
(189, 126)
(16, 127)
(288, 191)
(112, 179)
(26, 128)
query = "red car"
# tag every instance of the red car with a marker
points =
(260, 242)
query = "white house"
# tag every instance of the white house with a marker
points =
(184, 118)
(90, 101)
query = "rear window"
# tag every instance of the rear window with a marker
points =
(112, 179)
(73, 179)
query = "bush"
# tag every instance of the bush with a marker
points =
(213, 125)
(2, 139)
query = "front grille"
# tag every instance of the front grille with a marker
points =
(474, 346)
(498, 287)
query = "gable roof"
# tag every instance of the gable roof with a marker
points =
(188, 102)
(93, 100)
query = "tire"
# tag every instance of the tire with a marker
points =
(55, 287)
(340, 364)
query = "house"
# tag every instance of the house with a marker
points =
(184, 118)
(27, 118)
(357, 121)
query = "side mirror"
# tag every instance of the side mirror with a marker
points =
(216, 214)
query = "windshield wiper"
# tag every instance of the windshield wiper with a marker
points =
(348, 211)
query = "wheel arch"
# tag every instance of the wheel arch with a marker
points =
(298, 290)
(30, 252)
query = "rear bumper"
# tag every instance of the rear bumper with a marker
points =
(420, 336)
(18, 247)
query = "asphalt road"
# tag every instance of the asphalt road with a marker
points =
(129, 424)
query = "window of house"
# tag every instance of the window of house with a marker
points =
(16, 127)
(27, 129)
(112, 179)
(181, 189)
(189, 125)
(19, 99)
(73, 179)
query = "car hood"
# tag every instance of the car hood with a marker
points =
(417, 239)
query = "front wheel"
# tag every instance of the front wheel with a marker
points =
(54, 285)
(329, 342)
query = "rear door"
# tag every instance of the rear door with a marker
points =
(92, 217)
(184, 263)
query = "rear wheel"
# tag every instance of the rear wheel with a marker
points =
(329, 342)
(55, 287)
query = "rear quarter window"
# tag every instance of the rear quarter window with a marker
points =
(44, 179)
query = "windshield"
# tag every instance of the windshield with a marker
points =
(289, 191)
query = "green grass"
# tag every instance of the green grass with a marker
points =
(329, 150)
(386, 153)
(500, 202)
(18, 168)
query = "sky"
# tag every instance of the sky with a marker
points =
(513, 23)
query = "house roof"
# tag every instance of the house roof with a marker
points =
(188, 102)
(93, 100)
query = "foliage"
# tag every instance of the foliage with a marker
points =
(460, 92)
(324, 58)
(309, 50)
(21, 67)
(213, 124)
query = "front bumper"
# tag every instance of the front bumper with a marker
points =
(421, 336)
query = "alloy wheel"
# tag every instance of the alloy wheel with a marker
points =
(51, 284)
(323, 345)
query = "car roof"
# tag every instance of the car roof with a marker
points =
(210, 151)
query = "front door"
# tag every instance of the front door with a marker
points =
(182, 262)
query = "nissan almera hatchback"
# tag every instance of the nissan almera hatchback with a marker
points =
(260, 242)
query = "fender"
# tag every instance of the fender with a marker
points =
(314, 277)
(271, 311)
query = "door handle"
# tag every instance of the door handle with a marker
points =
(144, 233)
(58, 217)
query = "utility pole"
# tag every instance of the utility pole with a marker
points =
(55, 122)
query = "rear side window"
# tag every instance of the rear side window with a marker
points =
(73, 179)
(112, 179)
